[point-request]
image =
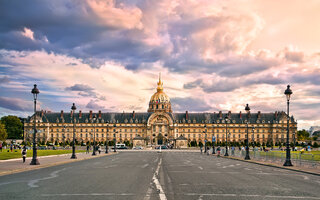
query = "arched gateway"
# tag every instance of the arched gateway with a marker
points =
(160, 123)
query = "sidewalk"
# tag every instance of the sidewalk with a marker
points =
(16, 165)
(292, 168)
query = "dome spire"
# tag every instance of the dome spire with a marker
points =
(160, 84)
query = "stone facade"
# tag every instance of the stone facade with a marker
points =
(160, 125)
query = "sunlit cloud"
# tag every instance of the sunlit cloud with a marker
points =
(213, 55)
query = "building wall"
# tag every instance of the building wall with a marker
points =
(60, 132)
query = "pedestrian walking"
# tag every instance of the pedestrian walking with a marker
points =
(232, 150)
(208, 150)
(218, 150)
(201, 149)
(11, 147)
(99, 149)
(24, 154)
(88, 147)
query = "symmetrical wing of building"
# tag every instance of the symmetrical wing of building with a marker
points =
(160, 125)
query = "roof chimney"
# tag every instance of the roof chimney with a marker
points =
(90, 114)
(133, 114)
(61, 115)
(220, 114)
(99, 115)
(41, 113)
(259, 115)
(240, 115)
(187, 115)
(80, 113)
(229, 114)
(276, 114)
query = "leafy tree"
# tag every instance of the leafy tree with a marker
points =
(303, 135)
(3, 132)
(315, 138)
(14, 127)
(315, 145)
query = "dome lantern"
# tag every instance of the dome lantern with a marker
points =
(159, 101)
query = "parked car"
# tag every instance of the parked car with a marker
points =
(138, 147)
(162, 147)
(120, 146)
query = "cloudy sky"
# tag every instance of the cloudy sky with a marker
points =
(213, 55)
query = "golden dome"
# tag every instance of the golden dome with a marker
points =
(159, 101)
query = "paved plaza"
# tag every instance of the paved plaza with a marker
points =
(153, 175)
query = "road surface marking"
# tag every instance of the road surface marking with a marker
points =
(32, 183)
(252, 195)
(157, 183)
(89, 194)
(200, 168)
(146, 165)
(106, 167)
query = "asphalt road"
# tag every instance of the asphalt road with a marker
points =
(147, 175)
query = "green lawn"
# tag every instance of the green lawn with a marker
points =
(4, 155)
(306, 155)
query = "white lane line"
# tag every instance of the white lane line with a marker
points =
(305, 177)
(146, 165)
(109, 166)
(148, 194)
(157, 183)
(32, 183)
(200, 168)
(89, 194)
(253, 195)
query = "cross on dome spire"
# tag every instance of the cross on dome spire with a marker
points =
(160, 84)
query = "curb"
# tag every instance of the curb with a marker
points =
(50, 165)
(50, 156)
(271, 165)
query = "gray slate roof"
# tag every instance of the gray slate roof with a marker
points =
(55, 117)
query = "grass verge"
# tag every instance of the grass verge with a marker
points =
(4, 155)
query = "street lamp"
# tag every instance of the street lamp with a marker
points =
(247, 109)
(114, 138)
(226, 119)
(35, 91)
(107, 140)
(94, 135)
(213, 141)
(253, 145)
(205, 139)
(73, 108)
(288, 93)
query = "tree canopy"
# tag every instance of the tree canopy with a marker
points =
(14, 127)
(3, 132)
(303, 135)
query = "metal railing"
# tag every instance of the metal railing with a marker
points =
(305, 159)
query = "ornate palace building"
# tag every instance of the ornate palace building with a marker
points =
(161, 126)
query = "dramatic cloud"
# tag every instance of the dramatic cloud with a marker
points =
(189, 104)
(213, 55)
(94, 106)
(15, 104)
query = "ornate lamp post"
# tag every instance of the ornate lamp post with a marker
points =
(205, 139)
(288, 93)
(114, 139)
(73, 108)
(226, 119)
(253, 145)
(213, 141)
(247, 109)
(94, 135)
(35, 91)
(107, 151)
